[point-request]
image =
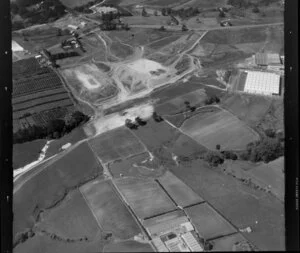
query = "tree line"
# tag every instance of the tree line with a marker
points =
(54, 129)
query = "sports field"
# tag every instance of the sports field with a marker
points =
(116, 144)
(111, 214)
(208, 222)
(179, 191)
(51, 184)
(220, 127)
(145, 197)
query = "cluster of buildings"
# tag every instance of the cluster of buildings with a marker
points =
(267, 77)
(172, 234)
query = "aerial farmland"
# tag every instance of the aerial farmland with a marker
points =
(135, 129)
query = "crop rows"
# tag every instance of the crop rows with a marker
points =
(39, 94)
(32, 85)
(40, 101)
(44, 117)
(28, 67)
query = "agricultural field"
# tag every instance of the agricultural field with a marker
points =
(84, 81)
(38, 95)
(237, 202)
(116, 144)
(249, 108)
(220, 127)
(178, 191)
(47, 188)
(111, 214)
(79, 223)
(26, 153)
(208, 222)
(152, 20)
(128, 246)
(235, 242)
(145, 197)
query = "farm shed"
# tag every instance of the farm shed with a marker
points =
(264, 59)
(191, 242)
(262, 83)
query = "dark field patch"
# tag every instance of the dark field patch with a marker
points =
(115, 144)
(208, 222)
(26, 153)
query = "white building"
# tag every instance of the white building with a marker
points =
(262, 83)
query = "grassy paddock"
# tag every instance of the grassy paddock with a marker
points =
(220, 127)
(52, 184)
(110, 212)
(145, 197)
(179, 191)
(115, 144)
(208, 222)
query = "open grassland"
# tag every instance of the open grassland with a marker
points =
(208, 222)
(220, 127)
(26, 153)
(156, 134)
(144, 196)
(111, 214)
(128, 246)
(71, 219)
(151, 20)
(141, 36)
(177, 104)
(115, 144)
(268, 177)
(238, 203)
(228, 243)
(51, 185)
(179, 192)
(121, 50)
(136, 166)
(251, 109)
(44, 243)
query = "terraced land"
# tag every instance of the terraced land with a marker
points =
(36, 91)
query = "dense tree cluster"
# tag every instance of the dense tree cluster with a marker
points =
(44, 12)
(214, 158)
(266, 150)
(63, 55)
(134, 125)
(182, 13)
(54, 129)
(211, 100)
